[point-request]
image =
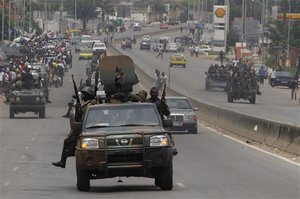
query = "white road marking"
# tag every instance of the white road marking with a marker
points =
(15, 168)
(180, 185)
(253, 147)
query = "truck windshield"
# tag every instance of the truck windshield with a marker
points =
(107, 117)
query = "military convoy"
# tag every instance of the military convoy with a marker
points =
(120, 137)
(239, 83)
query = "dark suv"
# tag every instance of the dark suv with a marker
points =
(122, 140)
(22, 101)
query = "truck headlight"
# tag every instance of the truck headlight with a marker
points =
(17, 99)
(89, 143)
(159, 140)
(37, 99)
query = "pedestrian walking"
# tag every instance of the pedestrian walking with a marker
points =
(157, 81)
(221, 56)
(163, 80)
(160, 53)
(294, 87)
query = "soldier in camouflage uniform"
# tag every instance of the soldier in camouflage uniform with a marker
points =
(68, 150)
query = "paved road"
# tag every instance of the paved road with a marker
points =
(273, 104)
(208, 165)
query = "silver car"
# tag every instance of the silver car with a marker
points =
(182, 114)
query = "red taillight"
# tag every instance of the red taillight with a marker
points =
(195, 117)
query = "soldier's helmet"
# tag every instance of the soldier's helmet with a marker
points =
(87, 91)
(143, 95)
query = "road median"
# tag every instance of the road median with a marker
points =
(272, 133)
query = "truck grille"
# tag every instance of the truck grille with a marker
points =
(124, 158)
(176, 117)
(131, 141)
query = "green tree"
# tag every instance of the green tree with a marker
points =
(158, 9)
(86, 9)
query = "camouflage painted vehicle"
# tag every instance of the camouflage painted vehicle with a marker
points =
(22, 101)
(216, 80)
(121, 138)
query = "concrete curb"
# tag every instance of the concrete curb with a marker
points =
(282, 136)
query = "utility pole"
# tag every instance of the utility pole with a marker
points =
(15, 6)
(9, 10)
(30, 23)
(3, 3)
(288, 36)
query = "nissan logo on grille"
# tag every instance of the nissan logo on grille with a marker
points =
(124, 142)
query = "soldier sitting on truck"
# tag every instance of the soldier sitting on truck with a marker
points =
(68, 150)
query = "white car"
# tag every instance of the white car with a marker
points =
(203, 48)
(99, 47)
(136, 27)
(172, 47)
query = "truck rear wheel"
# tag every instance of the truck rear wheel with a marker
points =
(83, 181)
(229, 98)
(206, 85)
(165, 179)
(42, 113)
(253, 99)
(11, 113)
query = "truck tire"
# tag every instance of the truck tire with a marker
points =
(207, 86)
(229, 98)
(253, 99)
(165, 178)
(42, 113)
(11, 113)
(83, 181)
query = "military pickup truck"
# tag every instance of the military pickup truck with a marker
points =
(22, 101)
(124, 140)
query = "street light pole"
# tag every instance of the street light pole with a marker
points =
(75, 11)
(288, 39)
(9, 31)
(30, 23)
(3, 3)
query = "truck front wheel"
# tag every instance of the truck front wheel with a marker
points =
(11, 113)
(165, 178)
(83, 181)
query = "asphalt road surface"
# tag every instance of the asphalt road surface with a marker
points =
(208, 165)
(274, 103)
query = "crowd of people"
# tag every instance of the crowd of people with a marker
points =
(24, 72)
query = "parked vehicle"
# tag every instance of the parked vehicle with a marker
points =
(282, 78)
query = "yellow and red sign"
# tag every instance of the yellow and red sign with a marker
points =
(288, 16)
(220, 12)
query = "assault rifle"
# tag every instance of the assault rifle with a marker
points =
(78, 105)
(163, 95)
